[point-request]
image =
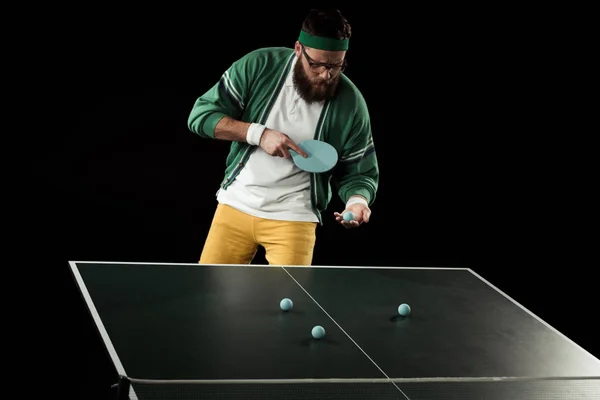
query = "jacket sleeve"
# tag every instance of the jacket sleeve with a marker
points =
(227, 97)
(357, 171)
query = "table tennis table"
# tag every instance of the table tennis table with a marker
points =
(191, 331)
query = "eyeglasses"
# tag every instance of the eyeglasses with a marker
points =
(318, 68)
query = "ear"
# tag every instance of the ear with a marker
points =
(297, 48)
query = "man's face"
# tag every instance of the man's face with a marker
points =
(313, 80)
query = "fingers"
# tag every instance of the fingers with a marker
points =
(289, 143)
(281, 152)
(285, 153)
(350, 225)
(366, 216)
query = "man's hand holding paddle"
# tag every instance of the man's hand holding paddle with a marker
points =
(278, 144)
(310, 155)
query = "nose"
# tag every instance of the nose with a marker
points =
(325, 75)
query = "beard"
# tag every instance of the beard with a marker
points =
(316, 90)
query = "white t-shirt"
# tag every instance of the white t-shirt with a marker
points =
(274, 187)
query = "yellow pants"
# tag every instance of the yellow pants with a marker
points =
(234, 238)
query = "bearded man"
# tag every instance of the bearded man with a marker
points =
(266, 103)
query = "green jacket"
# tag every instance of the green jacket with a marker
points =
(247, 91)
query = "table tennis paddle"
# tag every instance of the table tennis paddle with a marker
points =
(321, 156)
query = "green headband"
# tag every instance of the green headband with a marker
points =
(323, 43)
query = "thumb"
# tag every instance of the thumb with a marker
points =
(366, 214)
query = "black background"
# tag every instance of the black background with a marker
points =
(456, 100)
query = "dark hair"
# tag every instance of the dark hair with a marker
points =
(328, 23)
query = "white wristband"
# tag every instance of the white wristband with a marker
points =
(254, 133)
(355, 200)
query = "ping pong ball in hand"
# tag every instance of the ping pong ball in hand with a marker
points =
(286, 304)
(318, 332)
(404, 309)
(348, 216)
